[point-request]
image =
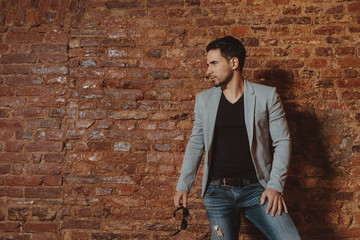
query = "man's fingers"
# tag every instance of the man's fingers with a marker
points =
(185, 200)
(280, 206)
(285, 207)
(180, 198)
(270, 205)
(263, 199)
(177, 198)
(274, 207)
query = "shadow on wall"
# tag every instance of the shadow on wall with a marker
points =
(309, 188)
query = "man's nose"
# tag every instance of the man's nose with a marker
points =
(209, 71)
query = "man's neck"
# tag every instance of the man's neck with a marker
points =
(234, 89)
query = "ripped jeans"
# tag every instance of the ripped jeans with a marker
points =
(223, 206)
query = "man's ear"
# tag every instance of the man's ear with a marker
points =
(234, 63)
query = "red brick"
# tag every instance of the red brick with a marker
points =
(239, 31)
(126, 94)
(161, 3)
(92, 114)
(84, 72)
(53, 58)
(6, 92)
(18, 58)
(14, 69)
(41, 48)
(13, 102)
(22, 181)
(349, 62)
(317, 62)
(118, 43)
(80, 224)
(57, 37)
(29, 113)
(117, 73)
(41, 227)
(53, 158)
(12, 192)
(82, 179)
(335, 9)
(354, 29)
(41, 169)
(323, 51)
(159, 63)
(210, 22)
(46, 102)
(32, 91)
(43, 192)
(44, 146)
(9, 227)
(23, 80)
(331, 72)
(345, 51)
(49, 69)
(47, 236)
(10, 125)
(281, 1)
(293, 20)
(52, 180)
(24, 37)
(354, 7)
(13, 157)
(329, 30)
(291, 63)
(79, 235)
(4, 169)
(4, 48)
(14, 146)
(348, 83)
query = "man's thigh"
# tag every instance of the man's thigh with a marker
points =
(223, 215)
(277, 227)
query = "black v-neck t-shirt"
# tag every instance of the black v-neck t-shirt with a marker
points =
(231, 152)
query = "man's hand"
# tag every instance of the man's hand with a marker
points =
(276, 202)
(180, 198)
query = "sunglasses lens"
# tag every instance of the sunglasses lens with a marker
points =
(184, 224)
(185, 212)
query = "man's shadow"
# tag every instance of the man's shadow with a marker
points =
(311, 173)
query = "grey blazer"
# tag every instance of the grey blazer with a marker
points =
(265, 124)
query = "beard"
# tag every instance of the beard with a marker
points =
(222, 82)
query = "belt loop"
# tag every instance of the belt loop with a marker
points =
(218, 183)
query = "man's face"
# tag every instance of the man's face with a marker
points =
(219, 69)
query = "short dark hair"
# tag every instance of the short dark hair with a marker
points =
(229, 47)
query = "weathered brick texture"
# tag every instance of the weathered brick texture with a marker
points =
(96, 106)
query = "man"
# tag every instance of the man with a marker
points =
(235, 123)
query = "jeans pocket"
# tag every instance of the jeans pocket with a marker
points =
(210, 189)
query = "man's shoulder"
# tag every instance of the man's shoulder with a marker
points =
(257, 87)
(207, 93)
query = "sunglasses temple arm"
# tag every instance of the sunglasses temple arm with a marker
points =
(175, 233)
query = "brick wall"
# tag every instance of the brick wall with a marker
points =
(96, 102)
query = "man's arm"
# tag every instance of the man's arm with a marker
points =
(280, 135)
(192, 157)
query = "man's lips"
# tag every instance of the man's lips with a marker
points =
(212, 78)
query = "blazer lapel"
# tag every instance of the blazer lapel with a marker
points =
(249, 109)
(212, 107)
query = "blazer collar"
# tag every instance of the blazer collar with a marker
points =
(213, 106)
(249, 109)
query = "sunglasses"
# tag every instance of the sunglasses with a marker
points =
(184, 223)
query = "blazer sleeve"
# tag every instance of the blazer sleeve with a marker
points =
(193, 152)
(281, 141)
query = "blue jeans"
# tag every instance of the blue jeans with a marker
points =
(223, 206)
